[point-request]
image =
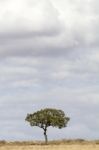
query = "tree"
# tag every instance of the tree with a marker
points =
(46, 118)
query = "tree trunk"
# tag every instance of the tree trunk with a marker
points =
(45, 135)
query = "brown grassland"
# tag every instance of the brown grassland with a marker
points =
(54, 145)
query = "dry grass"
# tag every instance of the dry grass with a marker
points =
(52, 145)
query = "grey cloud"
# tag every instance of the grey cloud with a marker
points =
(50, 34)
(49, 58)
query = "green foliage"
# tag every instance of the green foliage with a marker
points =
(48, 117)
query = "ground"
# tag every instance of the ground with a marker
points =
(51, 147)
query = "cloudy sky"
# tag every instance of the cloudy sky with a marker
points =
(49, 57)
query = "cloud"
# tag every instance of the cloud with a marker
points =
(49, 58)
(47, 27)
(28, 17)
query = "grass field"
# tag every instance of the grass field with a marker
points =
(54, 145)
(50, 147)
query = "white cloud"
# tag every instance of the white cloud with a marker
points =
(28, 16)
(47, 27)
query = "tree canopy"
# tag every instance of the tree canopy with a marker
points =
(47, 117)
